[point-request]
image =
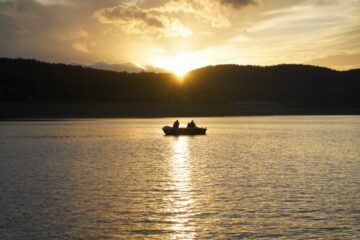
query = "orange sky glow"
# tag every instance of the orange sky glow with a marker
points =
(180, 35)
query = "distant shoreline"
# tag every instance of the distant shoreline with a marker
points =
(11, 111)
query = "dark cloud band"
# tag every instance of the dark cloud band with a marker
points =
(238, 3)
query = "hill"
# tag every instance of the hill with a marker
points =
(285, 86)
(289, 85)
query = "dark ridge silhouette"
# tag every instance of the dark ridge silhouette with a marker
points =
(286, 86)
(31, 80)
(290, 85)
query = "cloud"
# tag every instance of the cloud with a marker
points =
(53, 2)
(79, 32)
(150, 68)
(171, 18)
(208, 12)
(238, 3)
(133, 19)
(340, 61)
(223, 31)
(124, 67)
(125, 13)
(80, 47)
(45, 29)
(302, 32)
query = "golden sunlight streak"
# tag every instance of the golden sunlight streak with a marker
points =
(181, 199)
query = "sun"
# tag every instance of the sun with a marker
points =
(180, 70)
(180, 64)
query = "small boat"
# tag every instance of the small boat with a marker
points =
(184, 131)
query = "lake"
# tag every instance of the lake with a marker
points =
(281, 177)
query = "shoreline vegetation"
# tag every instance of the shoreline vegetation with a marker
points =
(30, 89)
(38, 111)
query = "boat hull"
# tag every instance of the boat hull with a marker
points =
(184, 131)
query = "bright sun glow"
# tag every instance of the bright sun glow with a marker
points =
(181, 64)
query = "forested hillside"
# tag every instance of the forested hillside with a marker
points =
(289, 85)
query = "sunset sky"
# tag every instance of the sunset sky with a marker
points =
(179, 35)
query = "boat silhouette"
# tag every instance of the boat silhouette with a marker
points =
(184, 131)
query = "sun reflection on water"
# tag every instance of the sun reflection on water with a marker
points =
(181, 199)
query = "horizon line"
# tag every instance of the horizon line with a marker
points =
(142, 69)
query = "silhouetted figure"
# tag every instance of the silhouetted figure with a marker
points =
(176, 124)
(191, 124)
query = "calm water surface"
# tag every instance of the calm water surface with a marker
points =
(249, 177)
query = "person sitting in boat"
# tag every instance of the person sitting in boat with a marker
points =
(191, 124)
(176, 124)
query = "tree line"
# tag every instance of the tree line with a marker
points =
(289, 85)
